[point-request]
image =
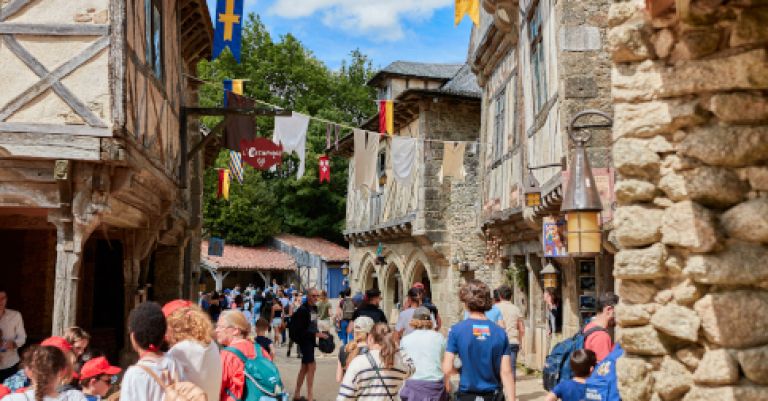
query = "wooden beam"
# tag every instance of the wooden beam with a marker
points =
(117, 72)
(12, 8)
(51, 78)
(55, 129)
(54, 29)
(37, 67)
(49, 146)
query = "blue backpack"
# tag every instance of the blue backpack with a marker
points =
(602, 385)
(262, 379)
(557, 366)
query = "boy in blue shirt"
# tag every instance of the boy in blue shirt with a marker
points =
(582, 363)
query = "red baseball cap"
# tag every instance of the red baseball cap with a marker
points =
(418, 285)
(175, 305)
(58, 342)
(98, 366)
(4, 391)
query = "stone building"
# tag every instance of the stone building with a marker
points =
(425, 232)
(538, 64)
(96, 199)
(689, 85)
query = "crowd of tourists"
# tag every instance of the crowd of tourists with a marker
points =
(224, 349)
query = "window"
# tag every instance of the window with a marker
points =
(381, 168)
(154, 36)
(499, 109)
(538, 66)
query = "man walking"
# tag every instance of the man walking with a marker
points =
(599, 341)
(403, 326)
(370, 308)
(305, 332)
(512, 322)
(12, 336)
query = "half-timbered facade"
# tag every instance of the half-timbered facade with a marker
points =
(97, 198)
(424, 231)
(538, 63)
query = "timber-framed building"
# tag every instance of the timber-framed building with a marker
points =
(98, 200)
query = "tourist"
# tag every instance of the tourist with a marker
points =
(554, 313)
(232, 331)
(262, 327)
(324, 312)
(48, 368)
(378, 374)
(482, 347)
(424, 347)
(600, 341)
(192, 346)
(582, 362)
(214, 309)
(370, 308)
(306, 335)
(359, 345)
(96, 378)
(78, 339)
(277, 321)
(292, 308)
(403, 326)
(12, 336)
(512, 322)
(20, 380)
(285, 302)
(258, 301)
(345, 314)
(147, 327)
(427, 302)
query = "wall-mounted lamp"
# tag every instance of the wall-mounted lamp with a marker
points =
(532, 191)
(581, 201)
(460, 260)
(345, 270)
(549, 275)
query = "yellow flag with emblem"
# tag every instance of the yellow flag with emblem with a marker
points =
(471, 7)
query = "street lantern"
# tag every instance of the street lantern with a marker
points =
(345, 270)
(549, 275)
(532, 191)
(581, 201)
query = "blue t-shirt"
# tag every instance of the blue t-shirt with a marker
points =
(480, 344)
(493, 314)
(570, 390)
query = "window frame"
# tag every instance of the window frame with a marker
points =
(154, 57)
(537, 59)
(499, 121)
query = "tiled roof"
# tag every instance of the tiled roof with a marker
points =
(327, 250)
(248, 258)
(422, 70)
(463, 83)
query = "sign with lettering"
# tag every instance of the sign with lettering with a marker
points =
(261, 153)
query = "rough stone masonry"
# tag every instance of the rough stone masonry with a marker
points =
(690, 92)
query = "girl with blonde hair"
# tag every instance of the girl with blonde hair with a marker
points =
(362, 327)
(190, 336)
(232, 331)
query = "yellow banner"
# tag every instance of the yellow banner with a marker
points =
(471, 7)
(390, 117)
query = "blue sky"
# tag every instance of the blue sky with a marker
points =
(385, 30)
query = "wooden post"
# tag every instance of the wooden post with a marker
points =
(68, 260)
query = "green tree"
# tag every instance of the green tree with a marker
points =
(285, 73)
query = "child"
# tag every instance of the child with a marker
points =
(582, 363)
(262, 326)
(48, 367)
(96, 378)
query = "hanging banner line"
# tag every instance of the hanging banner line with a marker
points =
(323, 120)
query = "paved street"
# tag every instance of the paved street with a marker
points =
(528, 388)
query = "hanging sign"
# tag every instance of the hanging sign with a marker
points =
(215, 246)
(325, 169)
(261, 153)
(553, 233)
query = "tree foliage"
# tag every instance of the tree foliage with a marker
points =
(285, 73)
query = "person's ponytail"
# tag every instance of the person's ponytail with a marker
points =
(382, 335)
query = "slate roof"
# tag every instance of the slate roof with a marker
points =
(242, 258)
(462, 83)
(326, 250)
(422, 70)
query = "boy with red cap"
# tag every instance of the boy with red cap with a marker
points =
(96, 378)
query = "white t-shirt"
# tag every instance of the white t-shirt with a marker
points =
(200, 365)
(425, 349)
(404, 321)
(12, 328)
(138, 385)
(29, 395)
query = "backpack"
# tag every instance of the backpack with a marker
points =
(262, 379)
(557, 366)
(348, 309)
(602, 383)
(176, 390)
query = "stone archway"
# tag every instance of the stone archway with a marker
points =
(392, 291)
(368, 278)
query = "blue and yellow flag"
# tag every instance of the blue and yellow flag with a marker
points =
(229, 24)
(232, 85)
(236, 165)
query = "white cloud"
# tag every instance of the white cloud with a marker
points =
(380, 19)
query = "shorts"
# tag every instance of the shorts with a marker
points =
(307, 352)
(276, 322)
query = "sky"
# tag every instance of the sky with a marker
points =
(385, 30)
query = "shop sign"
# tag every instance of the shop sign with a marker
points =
(604, 181)
(261, 153)
(553, 237)
(216, 246)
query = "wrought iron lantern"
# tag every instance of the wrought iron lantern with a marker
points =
(549, 275)
(581, 201)
(532, 191)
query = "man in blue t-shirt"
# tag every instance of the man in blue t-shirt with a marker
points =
(479, 344)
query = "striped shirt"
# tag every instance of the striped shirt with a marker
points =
(361, 383)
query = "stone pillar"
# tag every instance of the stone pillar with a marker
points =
(169, 272)
(690, 147)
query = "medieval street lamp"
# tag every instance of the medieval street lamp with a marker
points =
(581, 201)
(549, 275)
(532, 191)
(345, 270)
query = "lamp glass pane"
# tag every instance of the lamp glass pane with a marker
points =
(532, 199)
(584, 232)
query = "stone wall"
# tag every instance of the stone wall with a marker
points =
(691, 145)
